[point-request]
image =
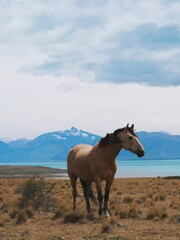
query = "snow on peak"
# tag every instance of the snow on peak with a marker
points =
(6, 139)
(84, 134)
(59, 137)
(63, 135)
(77, 132)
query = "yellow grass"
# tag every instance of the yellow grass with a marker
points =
(146, 208)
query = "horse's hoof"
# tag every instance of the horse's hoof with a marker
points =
(106, 214)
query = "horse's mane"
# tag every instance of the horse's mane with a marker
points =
(111, 138)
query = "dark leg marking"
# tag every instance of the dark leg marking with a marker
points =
(74, 191)
(106, 196)
(100, 199)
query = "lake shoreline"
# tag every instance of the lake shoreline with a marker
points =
(125, 169)
(11, 171)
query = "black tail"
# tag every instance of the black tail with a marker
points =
(85, 189)
(92, 196)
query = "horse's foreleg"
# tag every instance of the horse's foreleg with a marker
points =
(100, 196)
(74, 191)
(106, 196)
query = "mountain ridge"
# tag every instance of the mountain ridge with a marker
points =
(54, 146)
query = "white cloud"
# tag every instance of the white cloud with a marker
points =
(31, 107)
(83, 38)
(59, 58)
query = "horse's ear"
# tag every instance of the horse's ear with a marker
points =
(126, 128)
(132, 127)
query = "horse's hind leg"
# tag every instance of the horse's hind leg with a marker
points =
(86, 188)
(73, 179)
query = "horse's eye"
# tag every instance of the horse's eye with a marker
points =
(130, 137)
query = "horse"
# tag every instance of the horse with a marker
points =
(98, 163)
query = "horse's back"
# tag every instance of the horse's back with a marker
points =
(80, 149)
(77, 162)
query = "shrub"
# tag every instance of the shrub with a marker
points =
(156, 213)
(108, 225)
(29, 213)
(91, 216)
(106, 228)
(14, 213)
(119, 193)
(21, 218)
(31, 188)
(57, 238)
(122, 213)
(37, 193)
(160, 197)
(58, 214)
(4, 219)
(141, 200)
(73, 217)
(133, 213)
(176, 219)
(127, 199)
(5, 208)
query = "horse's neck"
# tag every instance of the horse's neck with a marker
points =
(111, 152)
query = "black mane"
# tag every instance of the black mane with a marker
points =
(105, 141)
(111, 138)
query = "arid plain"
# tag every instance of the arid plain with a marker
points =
(41, 209)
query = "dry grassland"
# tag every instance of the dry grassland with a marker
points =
(146, 208)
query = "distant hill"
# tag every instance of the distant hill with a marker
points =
(54, 146)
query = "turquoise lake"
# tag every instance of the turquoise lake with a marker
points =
(126, 168)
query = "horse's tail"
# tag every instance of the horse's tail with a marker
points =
(91, 194)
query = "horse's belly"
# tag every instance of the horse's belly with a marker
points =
(79, 164)
(103, 169)
(83, 172)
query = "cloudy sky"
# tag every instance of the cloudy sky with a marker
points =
(95, 65)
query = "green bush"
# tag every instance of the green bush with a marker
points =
(36, 193)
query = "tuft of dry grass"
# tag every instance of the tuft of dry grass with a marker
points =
(74, 217)
(107, 225)
(21, 217)
(156, 213)
(127, 199)
(58, 214)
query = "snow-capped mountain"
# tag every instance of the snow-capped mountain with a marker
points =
(54, 146)
(71, 136)
(48, 146)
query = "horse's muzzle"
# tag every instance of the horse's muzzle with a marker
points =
(140, 153)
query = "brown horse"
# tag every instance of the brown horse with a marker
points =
(97, 163)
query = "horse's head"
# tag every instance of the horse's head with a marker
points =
(129, 140)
